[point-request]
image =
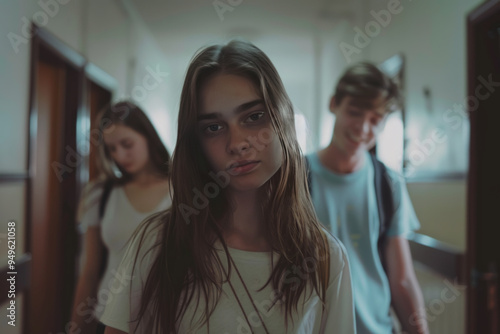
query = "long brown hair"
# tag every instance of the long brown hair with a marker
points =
(187, 265)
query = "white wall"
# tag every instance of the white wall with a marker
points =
(441, 208)
(332, 65)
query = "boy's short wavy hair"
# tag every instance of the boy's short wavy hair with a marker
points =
(365, 81)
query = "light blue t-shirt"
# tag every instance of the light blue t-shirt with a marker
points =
(347, 205)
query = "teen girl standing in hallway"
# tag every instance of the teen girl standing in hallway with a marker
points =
(240, 250)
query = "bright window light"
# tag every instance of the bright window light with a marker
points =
(390, 143)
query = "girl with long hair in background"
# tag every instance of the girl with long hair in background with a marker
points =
(133, 184)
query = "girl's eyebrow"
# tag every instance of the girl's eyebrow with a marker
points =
(241, 108)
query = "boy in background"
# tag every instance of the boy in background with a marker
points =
(342, 184)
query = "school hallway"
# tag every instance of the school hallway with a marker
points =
(63, 61)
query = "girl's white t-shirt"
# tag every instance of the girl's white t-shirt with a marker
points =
(119, 222)
(228, 318)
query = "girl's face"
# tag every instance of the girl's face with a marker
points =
(235, 132)
(127, 147)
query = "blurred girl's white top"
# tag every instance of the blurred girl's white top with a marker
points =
(117, 226)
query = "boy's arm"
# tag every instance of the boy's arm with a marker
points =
(407, 297)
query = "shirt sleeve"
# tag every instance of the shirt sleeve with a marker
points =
(338, 316)
(404, 220)
(88, 210)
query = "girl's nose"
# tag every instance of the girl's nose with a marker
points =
(238, 142)
(119, 155)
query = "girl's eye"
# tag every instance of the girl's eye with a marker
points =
(213, 128)
(255, 117)
(128, 145)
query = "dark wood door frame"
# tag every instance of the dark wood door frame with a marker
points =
(45, 46)
(76, 114)
(483, 58)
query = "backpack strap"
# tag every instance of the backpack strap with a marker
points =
(106, 190)
(385, 203)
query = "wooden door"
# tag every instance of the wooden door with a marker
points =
(58, 168)
(54, 160)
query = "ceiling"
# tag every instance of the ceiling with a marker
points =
(182, 27)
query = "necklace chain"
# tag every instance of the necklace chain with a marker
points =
(249, 296)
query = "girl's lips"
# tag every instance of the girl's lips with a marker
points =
(247, 167)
